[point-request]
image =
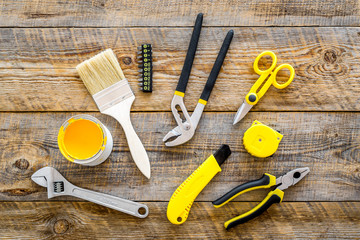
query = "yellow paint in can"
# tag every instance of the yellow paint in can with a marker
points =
(83, 139)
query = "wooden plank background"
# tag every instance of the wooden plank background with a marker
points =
(42, 41)
(323, 57)
(123, 13)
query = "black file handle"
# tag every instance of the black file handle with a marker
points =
(190, 55)
(217, 66)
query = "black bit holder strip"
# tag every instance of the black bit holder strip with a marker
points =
(146, 67)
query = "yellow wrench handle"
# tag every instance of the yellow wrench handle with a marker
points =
(184, 196)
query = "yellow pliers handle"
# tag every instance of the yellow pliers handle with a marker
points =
(275, 196)
(266, 181)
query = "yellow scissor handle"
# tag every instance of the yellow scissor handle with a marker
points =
(269, 70)
(292, 75)
(254, 95)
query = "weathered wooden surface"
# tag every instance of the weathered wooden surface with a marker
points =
(41, 42)
(38, 67)
(53, 48)
(324, 142)
(106, 13)
(71, 220)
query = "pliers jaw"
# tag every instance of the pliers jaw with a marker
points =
(180, 138)
(291, 178)
(179, 101)
(185, 129)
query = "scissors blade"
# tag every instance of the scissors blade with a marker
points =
(242, 111)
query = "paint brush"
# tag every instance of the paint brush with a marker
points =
(104, 79)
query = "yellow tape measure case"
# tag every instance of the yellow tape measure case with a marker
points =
(260, 140)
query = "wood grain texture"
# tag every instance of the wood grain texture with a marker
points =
(108, 13)
(82, 220)
(37, 67)
(41, 43)
(325, 142)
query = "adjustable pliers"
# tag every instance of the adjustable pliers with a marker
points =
(186, 129)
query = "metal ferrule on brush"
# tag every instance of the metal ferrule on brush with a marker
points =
(112, 95)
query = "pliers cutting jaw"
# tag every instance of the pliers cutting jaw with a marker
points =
(266, 181)
(291, 178)
(186, 129)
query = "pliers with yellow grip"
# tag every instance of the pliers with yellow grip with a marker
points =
(185, 129)
(266, 181)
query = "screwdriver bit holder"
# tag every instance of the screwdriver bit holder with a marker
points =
(145, 67)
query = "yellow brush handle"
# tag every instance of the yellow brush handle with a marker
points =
(275, 196)
(184, 196)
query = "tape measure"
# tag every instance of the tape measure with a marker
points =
(260, 140)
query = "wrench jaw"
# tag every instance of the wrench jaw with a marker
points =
(47, 177)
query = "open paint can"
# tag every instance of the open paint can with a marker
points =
(83, 139)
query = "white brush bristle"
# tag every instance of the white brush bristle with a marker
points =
(100, 71)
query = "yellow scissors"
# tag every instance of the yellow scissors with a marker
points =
(254, 95)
